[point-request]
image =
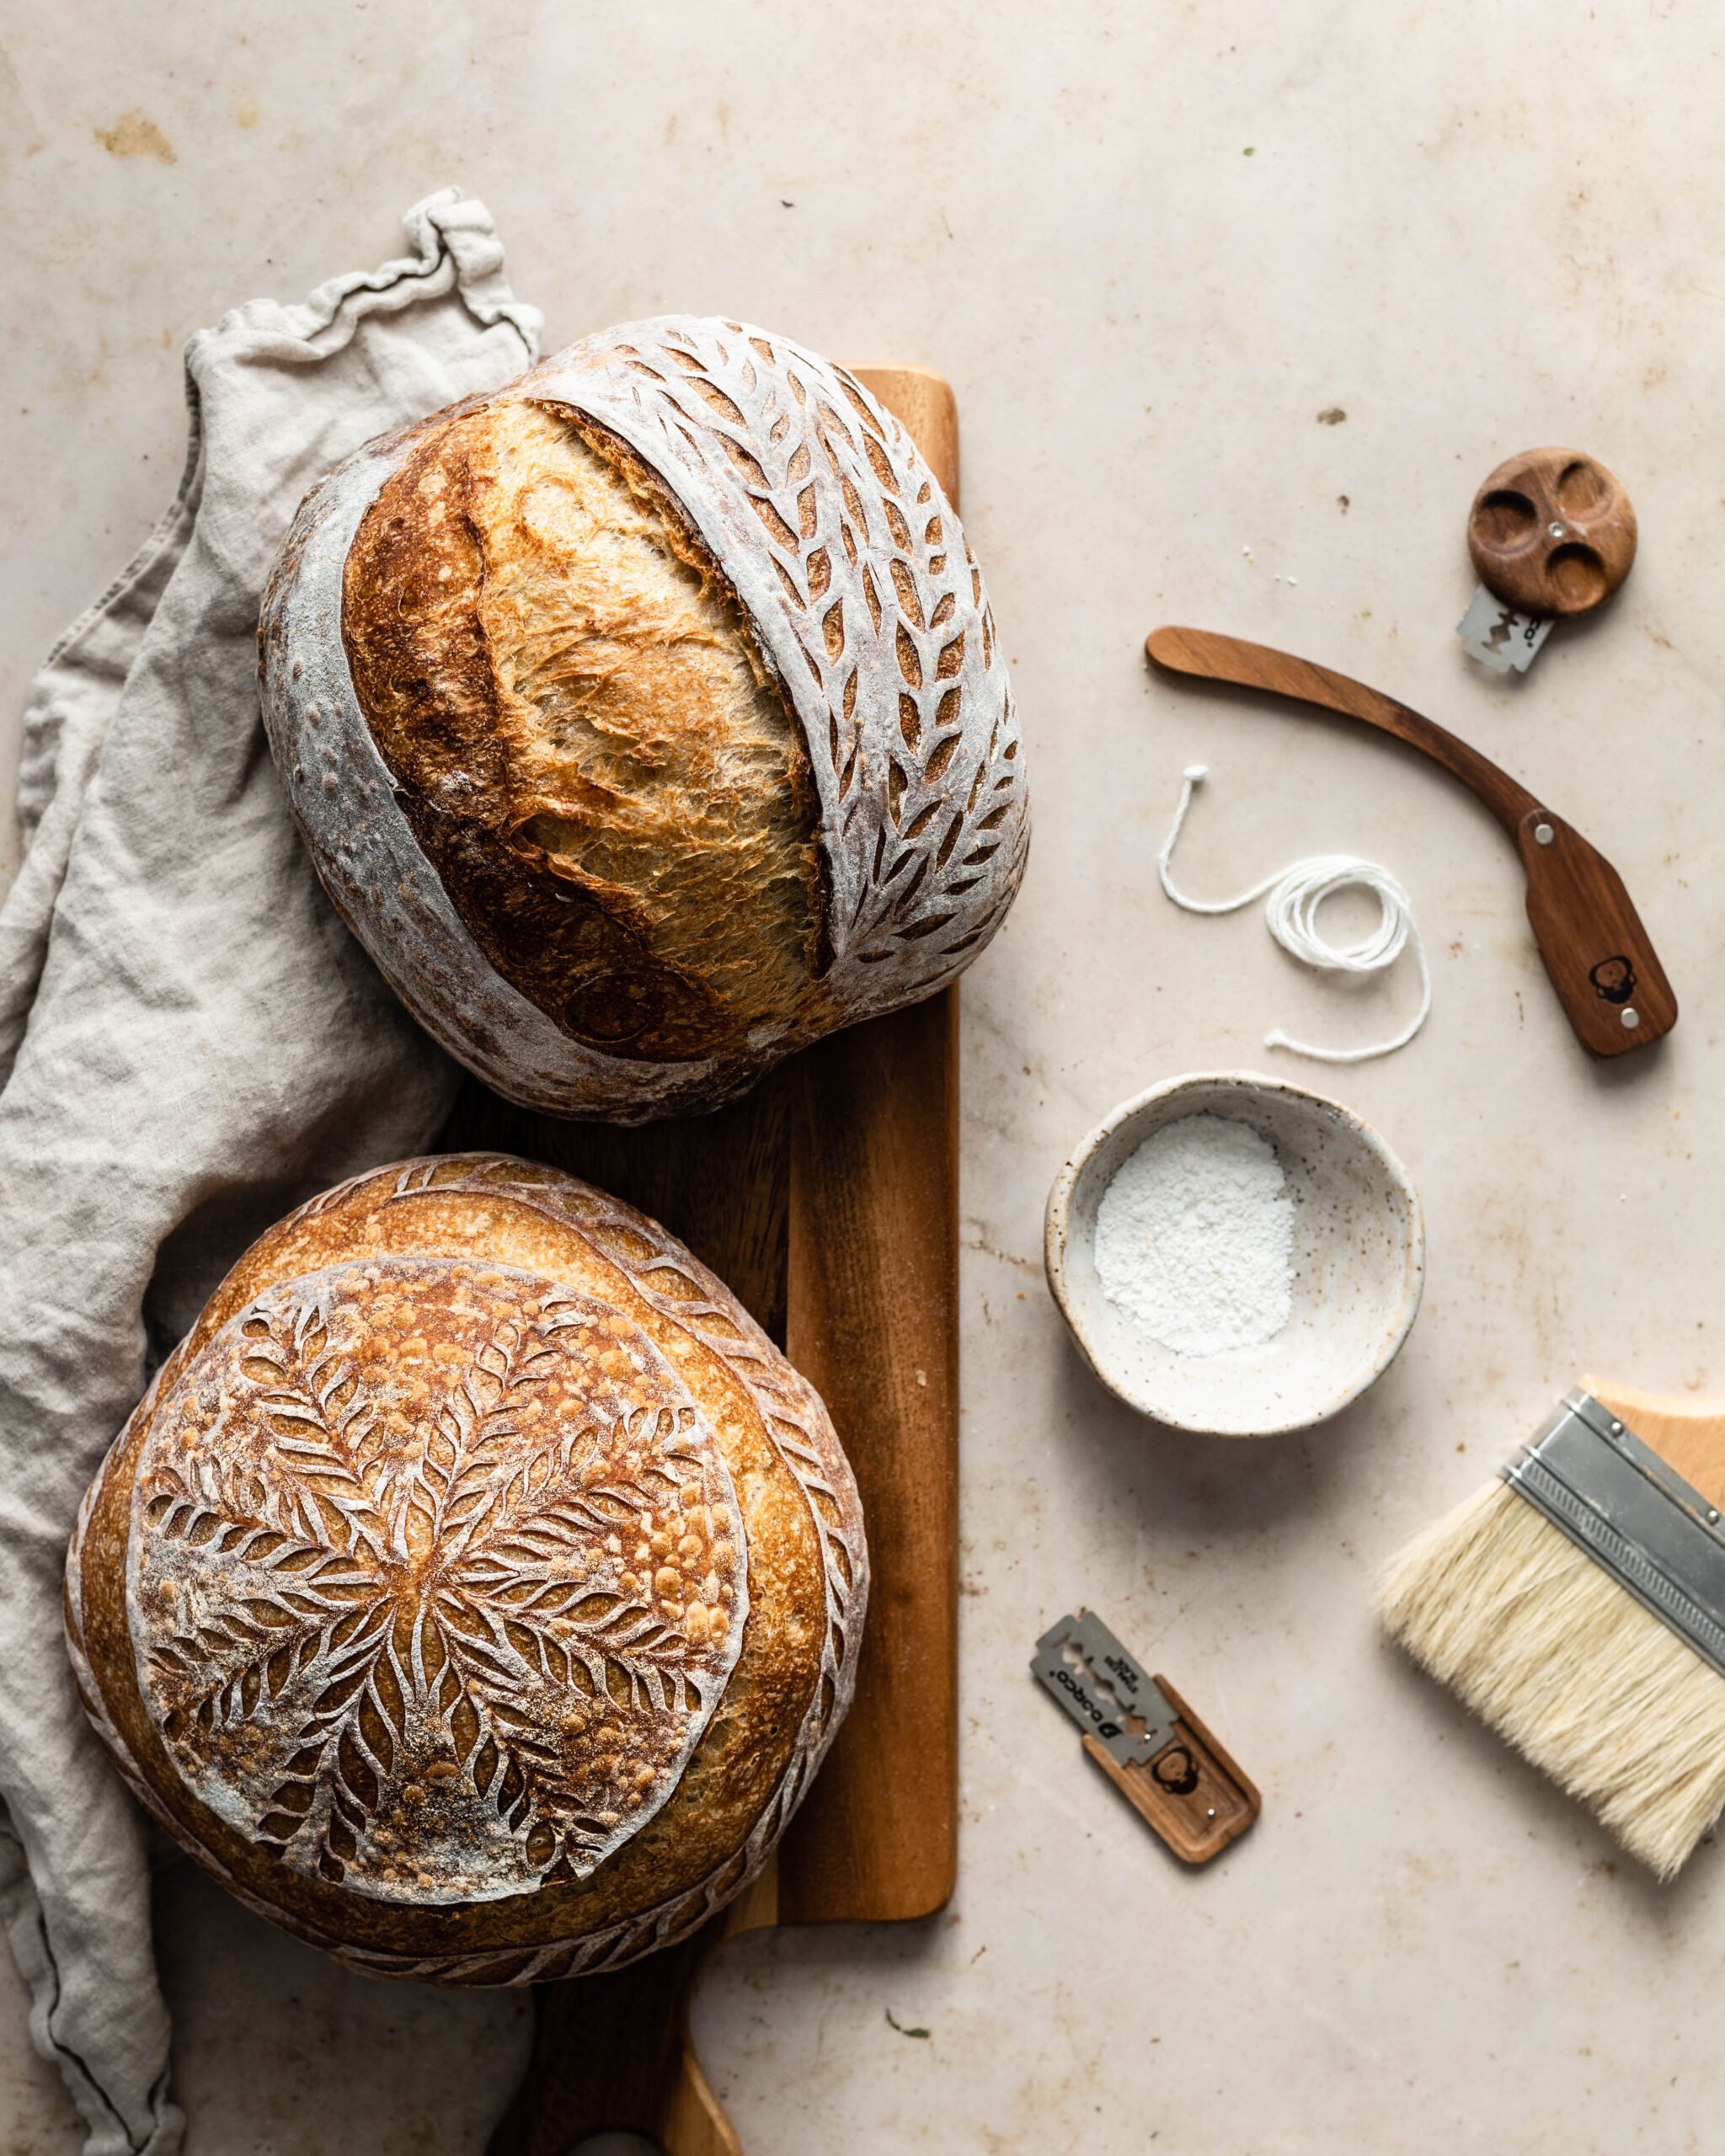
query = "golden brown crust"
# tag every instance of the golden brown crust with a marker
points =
(760, 529)
(484, 1226)
(588, 743)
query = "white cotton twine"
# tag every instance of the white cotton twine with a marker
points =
(1295, 895)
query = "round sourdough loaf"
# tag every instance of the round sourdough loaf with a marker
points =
(476, 1587)
(646, 719)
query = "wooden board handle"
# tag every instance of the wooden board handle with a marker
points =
(1600, 958)
(612, 2055)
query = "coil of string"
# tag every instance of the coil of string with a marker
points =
(1295, 895)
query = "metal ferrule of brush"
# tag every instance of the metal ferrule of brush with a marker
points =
(1613, 1495)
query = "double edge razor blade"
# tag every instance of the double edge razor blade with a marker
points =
(1109, 1694)
(1498, 636)
(1145, 1739)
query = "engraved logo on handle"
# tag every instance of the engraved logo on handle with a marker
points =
(1177, 1770)
(1613, 980)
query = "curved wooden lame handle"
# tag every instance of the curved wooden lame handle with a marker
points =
(1600, 959)
(1690, 1434)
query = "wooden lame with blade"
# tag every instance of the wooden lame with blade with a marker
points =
(1600, 959)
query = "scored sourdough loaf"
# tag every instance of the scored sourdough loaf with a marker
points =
(646, 719)
(477, 1589)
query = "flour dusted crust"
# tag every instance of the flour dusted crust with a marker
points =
(477, 1589)
(378, 1589)
(632, 844)
(646, 719)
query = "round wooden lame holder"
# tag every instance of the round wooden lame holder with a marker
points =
(1552, 531)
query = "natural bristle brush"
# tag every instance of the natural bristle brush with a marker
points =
(1577, 1604)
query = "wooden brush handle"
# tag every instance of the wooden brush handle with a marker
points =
(1600, 959)
(1689, 1434)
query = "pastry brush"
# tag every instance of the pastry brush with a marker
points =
(1577, 1605)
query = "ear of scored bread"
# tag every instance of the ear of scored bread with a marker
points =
(647, 720)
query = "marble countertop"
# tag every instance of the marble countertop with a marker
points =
(1241, 302)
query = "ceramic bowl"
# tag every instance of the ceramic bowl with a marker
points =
(1358, 1263)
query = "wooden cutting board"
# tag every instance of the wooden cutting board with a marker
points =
(828, 1200)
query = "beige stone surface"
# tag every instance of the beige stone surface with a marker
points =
(1161, 251)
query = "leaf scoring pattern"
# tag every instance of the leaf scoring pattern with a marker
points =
(873, 612)
(429, 1595)
(671, 1279)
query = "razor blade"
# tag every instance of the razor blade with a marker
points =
(1498, 636)
(1110, 1696)
(1145, 1739)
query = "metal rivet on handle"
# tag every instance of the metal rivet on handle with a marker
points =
(1544, 834)
(1631, 1016)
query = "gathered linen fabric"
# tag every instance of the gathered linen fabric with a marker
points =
(191, 1044)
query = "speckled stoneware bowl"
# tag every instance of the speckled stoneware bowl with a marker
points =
(1358, 1263)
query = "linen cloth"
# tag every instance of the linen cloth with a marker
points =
(191, 1044)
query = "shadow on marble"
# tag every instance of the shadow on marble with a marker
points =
(278, 2051)
(1638, 1901)
(1221, 1487)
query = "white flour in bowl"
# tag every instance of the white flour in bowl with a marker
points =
(1194, 1237)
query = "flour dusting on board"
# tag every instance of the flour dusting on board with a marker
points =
(1194, 1237)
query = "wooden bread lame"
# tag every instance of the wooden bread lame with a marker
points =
(1600, 959)
(1552, 531)
(1194, 1794)
(828, 1201)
